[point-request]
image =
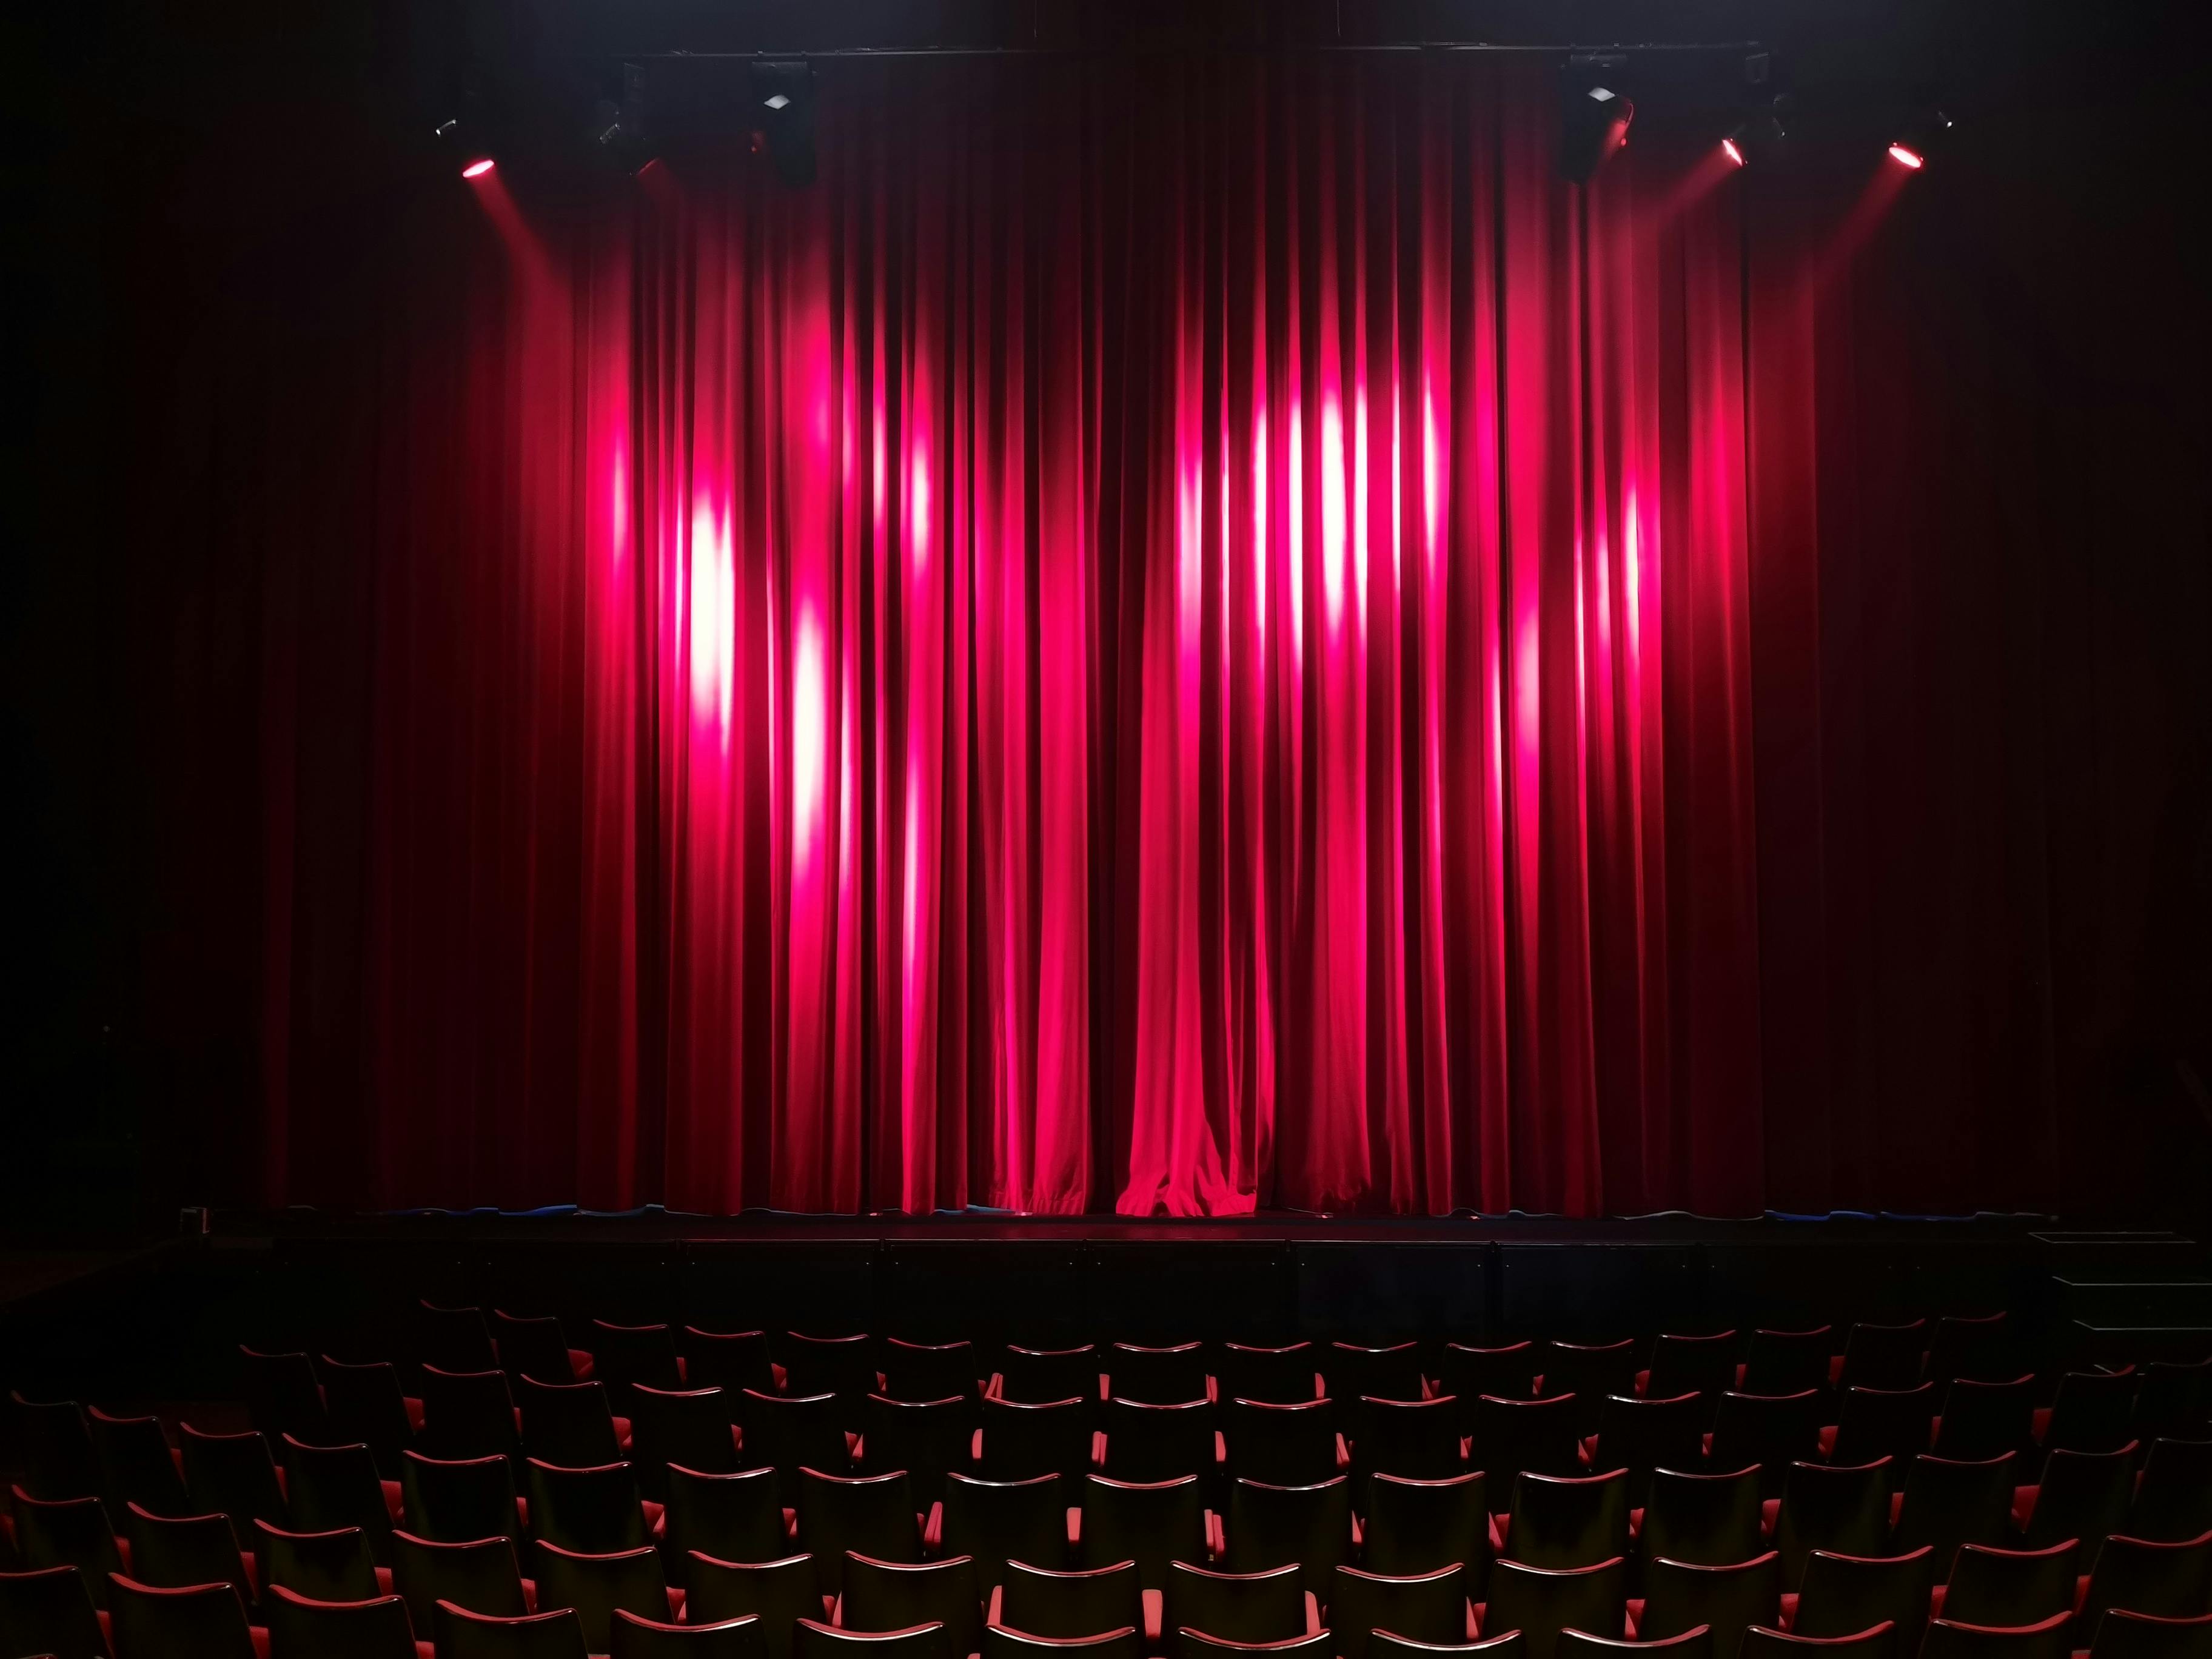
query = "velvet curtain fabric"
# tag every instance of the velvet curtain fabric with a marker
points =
(1169, 637)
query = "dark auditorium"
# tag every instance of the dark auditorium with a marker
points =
(1106, 829)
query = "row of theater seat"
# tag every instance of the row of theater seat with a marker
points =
(746, 1469)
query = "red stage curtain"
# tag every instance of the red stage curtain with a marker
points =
(1169, 637)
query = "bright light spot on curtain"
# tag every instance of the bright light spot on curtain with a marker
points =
(713, 619)
(1260, 526)
(618, 503)
(809, 740)
(1359, 499)
(1432, 474)
(1332, 513)
(917, 507)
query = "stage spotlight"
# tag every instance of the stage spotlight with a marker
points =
(1729, 149)
(477, 169)
(1920, 138)
(1594, 114)
(783, 115)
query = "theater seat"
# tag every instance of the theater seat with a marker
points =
(816, 1640)
(460, 1634)
(1948, 1639)
(1876, 1642)
(633, 1637)
(1540, 1602)
(1697, 1643)
(205, 1621)
(302, 1629)
(1000, 1643)
(49, 1610)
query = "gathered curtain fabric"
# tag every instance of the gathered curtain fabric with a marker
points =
(1171, 637)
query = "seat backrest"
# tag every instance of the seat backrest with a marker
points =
(67, 1532)
(1696, 1642)
(1589, 1371)
(1641, 1435)
(690, 1426)
(1000, 1643)
(1145, 1442)
(1788, 1362)
(1876, 1642)
(334, 1565)
(999, 1521)
(827, 1365)
(334, 1487)
(1542, 1601)
(815, 1640)
(566, 1422)
(2083, 1495)
(482, 1575)
(2174, 1501)
(883, 1596)
(1023, 1439)
(1897, 1423)
(1418, 1526)
(204, 1621)
(1983, 1418)
(595, 1511)
(928, 1370)
(460, 1634)
(233, 1474)
(1709, 1519)
(927, 1438)
(1883, 1356)
(1379, 1372)
(596, 1584)
(455, 1500)
(1569, 1520)
(2175, 1399)
(646, 1638)
(2124, 1635)
(532, 1347)
(1150, 1522)
(792, 1431)
(1691, 1364)
(733, 1517)
(1948, 1638)
(727, 1359)
(780, 1593)
(283, 1394)
(1416, 1437)
(873, 1514)
(2172, 1580)
(59, 1461)
(1256, 1606)
(467, 1414)
(1086, 1601)
(1284, 1443)
(1843, 1507)
(1157, 1376)
(2093, 1411)
(1308, 1526)
(171, 1553)
(1468, 1371)
(135, 1463)
(1843, 1594)
(1769, 1429)
(1540, 1436)
(634, 1353)
(1954, 1501)
(454, 1339)
(1679, 1596)
(1992, 1586)
(1282, 1376)
(303, 1629)
(1426, 1607)
(49, 1610)
(1389, 1644)
(366, 1404)
(1975, 1346)
(1041, 1376)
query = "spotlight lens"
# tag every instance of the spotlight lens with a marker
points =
(1729, 149)
(778, 102)
(1911, 157)
(477, 169)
